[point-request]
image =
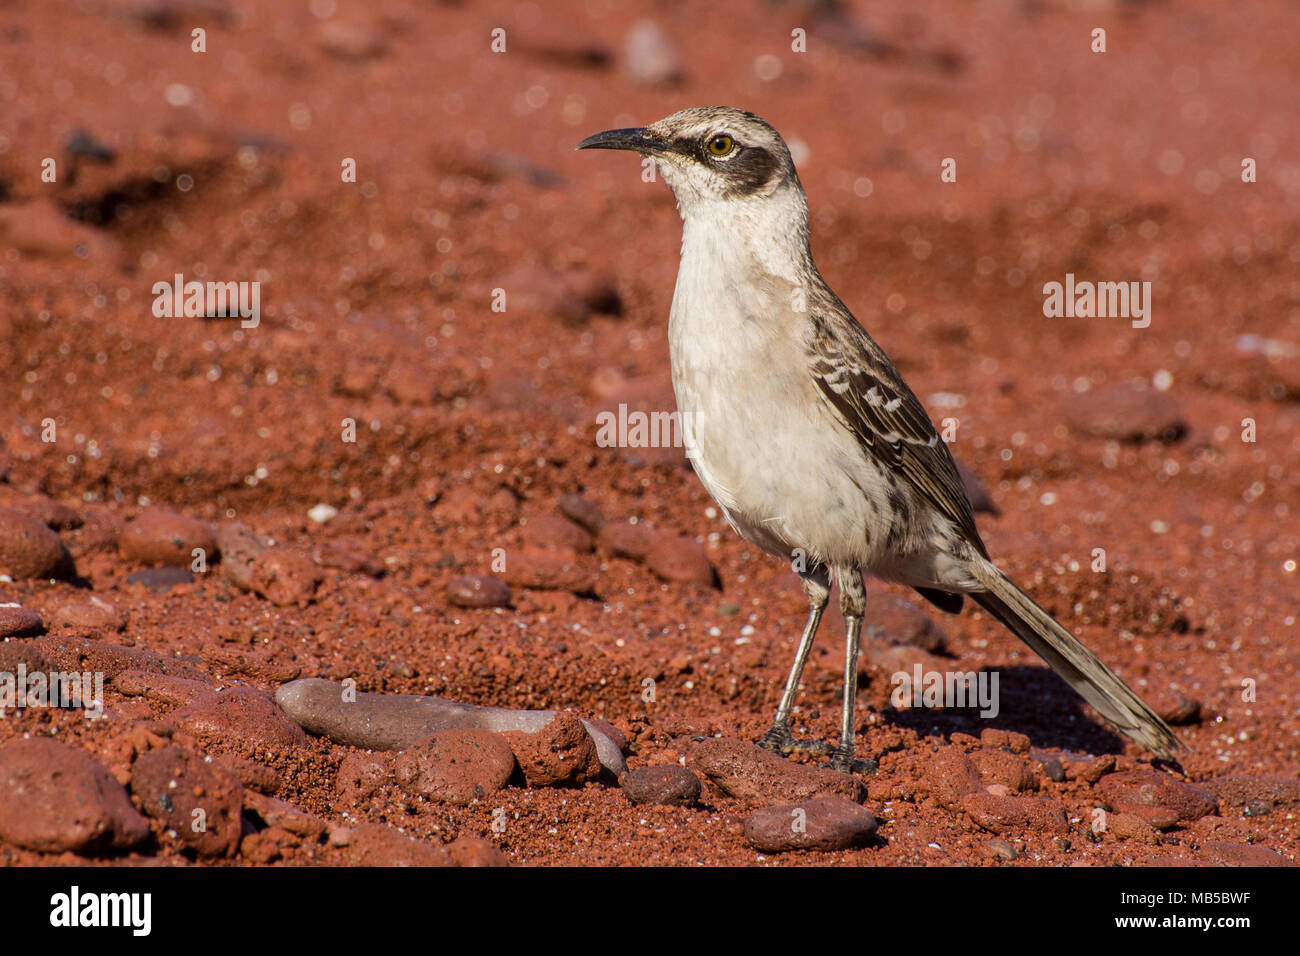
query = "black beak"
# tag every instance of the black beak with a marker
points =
(638, 139)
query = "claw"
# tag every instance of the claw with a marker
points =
(843, 762)
(779, 740)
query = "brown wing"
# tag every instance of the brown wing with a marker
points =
(862, 385)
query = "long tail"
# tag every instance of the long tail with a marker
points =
(1080, 667)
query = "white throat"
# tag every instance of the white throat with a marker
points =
(753, 236)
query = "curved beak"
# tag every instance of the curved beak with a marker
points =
(637, 139)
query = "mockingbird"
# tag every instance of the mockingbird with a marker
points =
(805, 434)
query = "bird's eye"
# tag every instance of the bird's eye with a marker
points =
(721, 145)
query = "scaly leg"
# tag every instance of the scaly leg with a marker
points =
(816, 585)
(853, 601)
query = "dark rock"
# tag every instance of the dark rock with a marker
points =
(478, 590)
(161, 580)
(583, 511)
(669, 785)
(82, 143)
(823, 823)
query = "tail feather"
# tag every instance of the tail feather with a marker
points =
(1079, 666)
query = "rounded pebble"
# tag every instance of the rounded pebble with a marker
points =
(670, 785)
(823, 823)
(55, 798)
(681, 561)
(478, 590)
(157, 536)
(29, 549)
(18, 621)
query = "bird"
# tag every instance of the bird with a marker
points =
(804, 432)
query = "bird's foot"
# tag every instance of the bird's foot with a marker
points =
(779, 740)
(842, 761)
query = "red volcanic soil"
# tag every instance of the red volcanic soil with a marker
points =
(473, 416)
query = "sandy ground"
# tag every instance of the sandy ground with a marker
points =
(377, 309)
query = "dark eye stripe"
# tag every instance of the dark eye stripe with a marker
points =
(750, 170)
(747, 169)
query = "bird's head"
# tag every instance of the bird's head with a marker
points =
(709, 154)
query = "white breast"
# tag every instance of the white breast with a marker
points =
(764, 437)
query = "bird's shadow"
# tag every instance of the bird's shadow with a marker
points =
(1030, 700)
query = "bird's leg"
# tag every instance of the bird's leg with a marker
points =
(817, 585)
(853, 602)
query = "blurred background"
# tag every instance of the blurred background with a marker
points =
(227, 165)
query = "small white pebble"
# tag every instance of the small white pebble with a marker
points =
(322, 513)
